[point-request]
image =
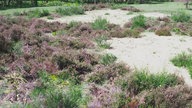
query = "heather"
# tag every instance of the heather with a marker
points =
(53, 64)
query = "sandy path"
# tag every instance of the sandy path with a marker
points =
(118, 16)
(152, 52)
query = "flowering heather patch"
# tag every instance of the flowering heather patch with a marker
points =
(52, 64)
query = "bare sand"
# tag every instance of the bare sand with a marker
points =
(152, 52)
(118, 16)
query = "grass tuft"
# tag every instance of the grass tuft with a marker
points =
(183, 60)
(108, 59)
(102, 42)
(100, 24)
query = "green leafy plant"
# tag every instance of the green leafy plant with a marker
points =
(102, 42)
(108, 59)
(181, 16)
(100, 24)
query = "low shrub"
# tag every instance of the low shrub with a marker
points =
(165, 31)
(165, 19)
(139, 22)
(134, 33)
(180, 16)
(108, 59)
(106, 73)
(171, 97)
(118, 33)
(100, 24)
(102, 42)
(76, 44)
(70, 10)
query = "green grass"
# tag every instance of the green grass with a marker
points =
(166, 7)
(108, 59)
(142, 80)
(100, 24)
(139, 21)
(181, 16)
(183, 60)
(102, 42)
(51, 9)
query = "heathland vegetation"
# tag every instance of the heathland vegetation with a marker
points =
(61, 65)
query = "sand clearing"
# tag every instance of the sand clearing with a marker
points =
(152, 52)
(118, 16)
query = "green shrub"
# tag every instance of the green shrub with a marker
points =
(70, 10)
(142, 80)
(139, 22)
(100, 24)
(183, 60)
(108, 59)
(181, 16)
(102, 42)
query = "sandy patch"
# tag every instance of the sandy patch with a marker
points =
(152, 52)
(118, 16)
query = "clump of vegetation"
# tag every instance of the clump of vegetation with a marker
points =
(108, 59)
(105, 73)
(58, 92)
(118, 33)
(181, 16)
(142, 80)
(72, 24)
(178, 96)
(70, 10)
(100, 24)
(165, 31)
(183, 60)
(139, 22)
(165, 19)
(37, 13)
(134, 33)
(102, 42)
(131, 9)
